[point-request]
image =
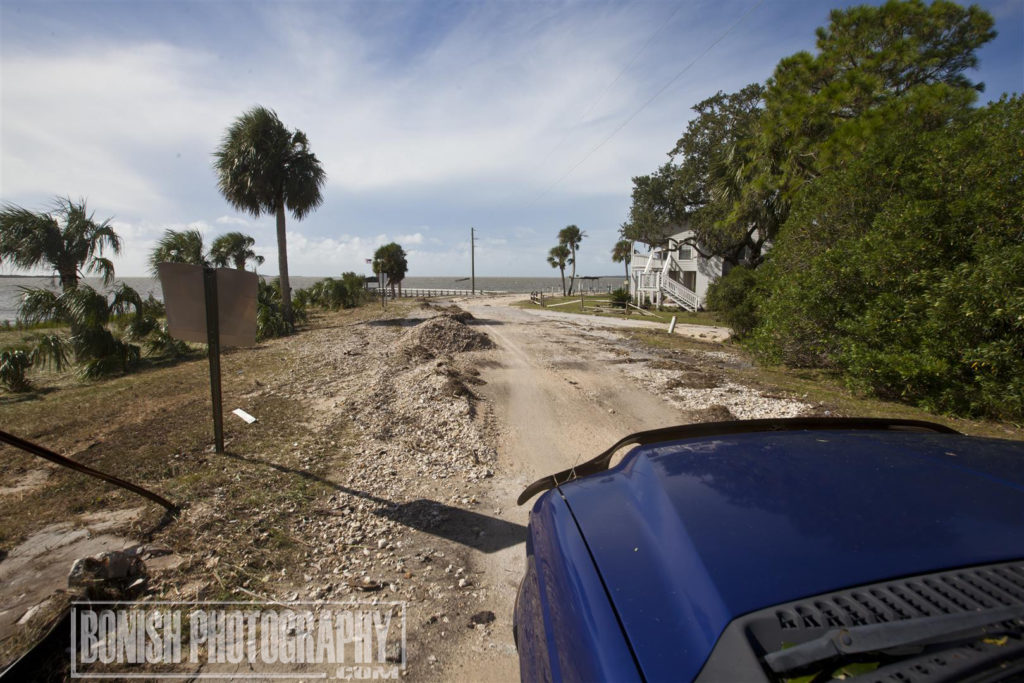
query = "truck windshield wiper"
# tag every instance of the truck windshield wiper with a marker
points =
(870, 638)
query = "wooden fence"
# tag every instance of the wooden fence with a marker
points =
(408, 292)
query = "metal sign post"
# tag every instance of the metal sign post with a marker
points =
(213, 348)
(212, 305)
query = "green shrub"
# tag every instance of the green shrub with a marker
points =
(620, 297)
(13, 365)
(904, 269)
(328, 293)
(332, 294)
(270, 320)
(733, 295)
(355, 289)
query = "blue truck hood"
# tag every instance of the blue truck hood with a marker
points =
(689, 534)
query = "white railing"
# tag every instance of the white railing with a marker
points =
(638, 262)
(683, 295)
(440, 291)
(650, 281)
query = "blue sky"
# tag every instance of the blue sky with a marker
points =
(429, 117)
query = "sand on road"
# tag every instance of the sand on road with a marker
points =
(558, 401)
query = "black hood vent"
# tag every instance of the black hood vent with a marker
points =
(741, 648)
(930, 595)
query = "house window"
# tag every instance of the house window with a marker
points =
(685, 253)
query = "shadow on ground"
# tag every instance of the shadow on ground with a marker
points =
(394, 322)
(472, 529)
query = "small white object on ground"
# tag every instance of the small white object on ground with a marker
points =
(249, 419)
(672, 325)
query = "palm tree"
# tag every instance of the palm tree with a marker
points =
(262, 167)
(178, 246)
(234, 248)
(558, 257)
(622, 252)
(390, 259)
(571, 236)
(66, 239)
(88, 313)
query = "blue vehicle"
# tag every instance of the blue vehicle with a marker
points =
(779, 550)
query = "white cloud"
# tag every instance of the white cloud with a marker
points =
(232, 220)
(326, 255)
(90, 121)
(424, 118)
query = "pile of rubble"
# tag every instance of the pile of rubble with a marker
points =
(709, 396)
(444, 334)
(400, 525)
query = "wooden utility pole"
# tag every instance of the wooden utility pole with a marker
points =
(472, 261)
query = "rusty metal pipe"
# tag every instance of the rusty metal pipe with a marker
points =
(47, 454)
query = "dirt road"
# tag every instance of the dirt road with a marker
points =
(557, 399)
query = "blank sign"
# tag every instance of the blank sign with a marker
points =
(185, 299)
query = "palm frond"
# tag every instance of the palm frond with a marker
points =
(178, 246)
(51, 350)
(85, 307)
(303, 183)
(26, 237)
(100, 353)
(40, 305)
(103, 267)
(161, 343)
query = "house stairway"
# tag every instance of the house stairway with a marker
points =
(678, 293)
(654, 282)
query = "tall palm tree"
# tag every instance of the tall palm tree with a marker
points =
(571, 236)
(262, 167)
(390, 259)
(234, 248)
(559, 257)
(622, 252)
(66, 239)
(178, 246)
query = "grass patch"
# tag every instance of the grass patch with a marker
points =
(597, 305)
(817, 386)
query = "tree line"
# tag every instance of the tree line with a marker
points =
(871, 211)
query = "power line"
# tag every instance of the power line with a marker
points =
(649, 101)
(636, 56)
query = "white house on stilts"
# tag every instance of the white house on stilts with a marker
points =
(674, 274)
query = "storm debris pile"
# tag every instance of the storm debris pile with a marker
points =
(444, 334)
(415, 458)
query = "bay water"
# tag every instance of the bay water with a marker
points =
(11, 287)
